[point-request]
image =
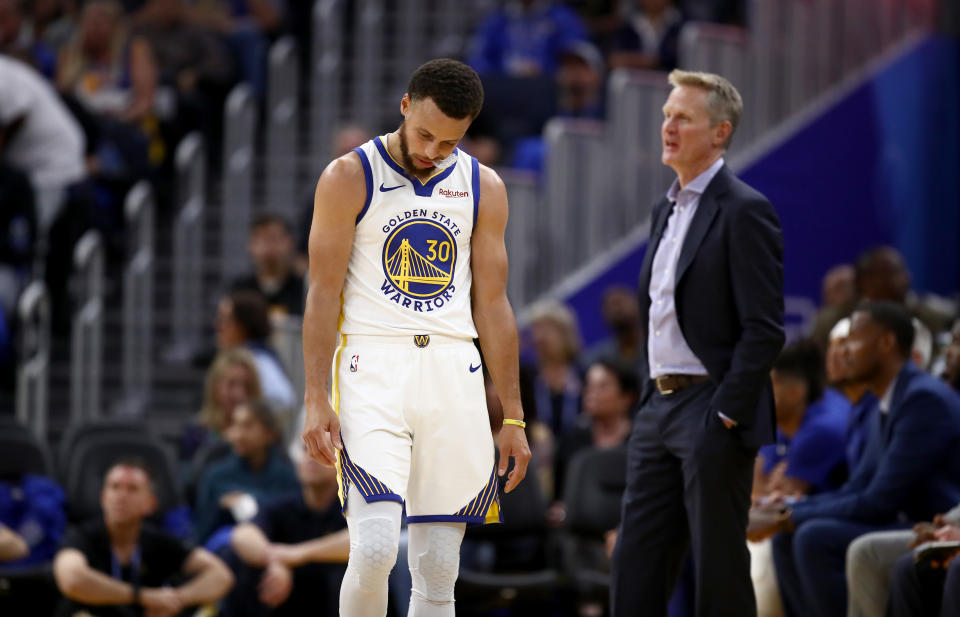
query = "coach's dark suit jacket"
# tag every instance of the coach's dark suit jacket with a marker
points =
(910, 468)
(729, 299)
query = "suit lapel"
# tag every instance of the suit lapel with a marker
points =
(656, 232)
(902, 381)
(702, 218)
(706, 211)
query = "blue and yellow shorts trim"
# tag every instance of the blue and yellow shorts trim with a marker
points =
(482, 509)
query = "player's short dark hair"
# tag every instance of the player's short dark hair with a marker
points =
(134, 462)
(894, 318)
(453, 86)
(250, 310)
(271, 218)
(803, 360)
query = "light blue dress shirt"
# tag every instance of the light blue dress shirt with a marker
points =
(667, 350)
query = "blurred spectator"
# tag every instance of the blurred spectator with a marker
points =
(231, 380)
(621, 314)
(12, 546)
(50, 22)
(648, 38)
(242, 321)
(113, 75)
(233, 489)
(922, 585)
(121, 566)
(951, 372)
(609, 393)
(732, 12)
(808, 455)
(871, 559)
(40, 137)
(601, 17)
(193, 62)
(556, 386)
(247, 26)
(17, 235)
(17, 41)
(863, 404)
(271, 247)
(32, 507)
(881, 274)
(294, 552)
(838, 297)
(579, 86)
(523, 38)
(908, 471)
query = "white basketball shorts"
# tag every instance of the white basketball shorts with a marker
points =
(414, 424)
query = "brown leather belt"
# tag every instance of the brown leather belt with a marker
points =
(668, 384)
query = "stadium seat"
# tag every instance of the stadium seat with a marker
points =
(90, 459)
(21, 453)
(520, 574)
(596, 480)
(76, 434)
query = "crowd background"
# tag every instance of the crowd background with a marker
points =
(95, 96)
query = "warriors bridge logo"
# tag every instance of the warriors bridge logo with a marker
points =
(419, 258)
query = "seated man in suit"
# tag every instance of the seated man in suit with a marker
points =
(909, 470)
(121, 566)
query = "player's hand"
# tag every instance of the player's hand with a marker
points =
(276, 584)
(161, 602)
(513, 443)
(321, 432)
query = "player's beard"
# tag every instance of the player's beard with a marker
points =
(408, 164)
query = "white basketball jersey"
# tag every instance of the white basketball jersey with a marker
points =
(409, 270)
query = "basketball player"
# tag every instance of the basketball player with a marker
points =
(408, 265)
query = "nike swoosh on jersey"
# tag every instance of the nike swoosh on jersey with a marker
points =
(474, 369)
(390, 188)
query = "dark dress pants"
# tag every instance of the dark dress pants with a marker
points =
(688, 489)
(919, 591)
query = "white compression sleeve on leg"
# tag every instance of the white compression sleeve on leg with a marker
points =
(434, 559)
(374, 534)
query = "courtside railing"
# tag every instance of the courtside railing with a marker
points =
(33, 367)
(237, 201)
(86, 349)
(188, 246)
(138, 299)
(283, 120)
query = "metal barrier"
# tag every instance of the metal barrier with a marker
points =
(370, 58)
(33, 368)
(576, 204)
(188, 246)
(138, 299)
(523, 193)
(287, 340)
(283, 120)
(86, 349)
(634, 116)
(236, 206)
(325, 90)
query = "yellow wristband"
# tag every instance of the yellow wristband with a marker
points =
(513, 422)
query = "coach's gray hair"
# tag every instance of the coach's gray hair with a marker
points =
(723, 100)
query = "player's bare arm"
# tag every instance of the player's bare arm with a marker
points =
(494, 319)
(338, 200)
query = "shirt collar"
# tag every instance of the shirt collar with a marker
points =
(887, 397)
(699, 184)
